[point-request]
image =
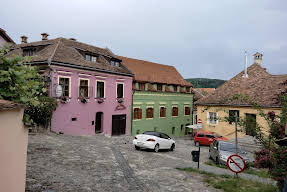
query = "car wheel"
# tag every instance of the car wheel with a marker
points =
(137, 147)
(172, 147)
(156, 148)
(197, 143)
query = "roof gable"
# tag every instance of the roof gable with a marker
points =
(260, 87)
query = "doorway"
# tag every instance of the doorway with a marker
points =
(250, 124)
(99, 122)
(119, 124)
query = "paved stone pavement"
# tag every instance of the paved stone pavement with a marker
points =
(60, 163)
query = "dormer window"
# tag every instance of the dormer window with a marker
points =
(29, 52)
(115, 63)
(91, 58)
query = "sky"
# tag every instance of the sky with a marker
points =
(200, 38)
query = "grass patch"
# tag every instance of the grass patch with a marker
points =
(232, 184)
(259, 172)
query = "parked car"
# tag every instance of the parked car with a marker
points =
(153, 140)
(219, 151)
(207, 137)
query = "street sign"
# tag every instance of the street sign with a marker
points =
(236, 163)
(59, 91)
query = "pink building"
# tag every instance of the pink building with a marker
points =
(92, 86)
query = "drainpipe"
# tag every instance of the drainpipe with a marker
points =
(132, 111)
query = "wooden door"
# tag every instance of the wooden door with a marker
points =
(118, 124)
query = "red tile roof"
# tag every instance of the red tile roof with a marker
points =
(146, 71)
(260, 87)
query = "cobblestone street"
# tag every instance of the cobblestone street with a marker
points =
(98, 163)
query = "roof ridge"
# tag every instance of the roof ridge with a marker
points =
(54, 52)
(146, 61)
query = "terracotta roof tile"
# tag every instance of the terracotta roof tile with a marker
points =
(66, 51)
(146, 71)
(6, 105)
(260, 87)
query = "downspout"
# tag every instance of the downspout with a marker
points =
(132, 111)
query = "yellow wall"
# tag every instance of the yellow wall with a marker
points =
(13, 151)
(226, 129)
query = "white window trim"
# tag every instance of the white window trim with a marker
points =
(184, 110)
(97, 88)
(123, 89)
(177, 110)
(79, 86)
(146, 111)
(70, 85)
(133, 114)
(208, 118)
(159, 112)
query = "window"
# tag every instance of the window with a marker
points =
(115, 63)
(232, 115)
(159, 87)
(162, 112)
(137, 113)
(188, 89)
(120, 90)
(212, 118)
(149, 113)
(186, 110)
(29, 52)
(65, 83)
(162, 135)
(84, 88)
(100, 89)
(141, 86)
(210, 136)
(174, 111)
(91, 58)
(200, 135)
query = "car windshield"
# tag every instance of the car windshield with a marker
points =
(229, 147)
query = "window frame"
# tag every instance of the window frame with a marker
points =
(157, 87)
(213, 122)
(96, 88)
(66, 77)
(134, 113)
(146, 112)
(189, 110)
(91, 58)
(160, 112)
(123, 90)
(79, 83)
(172, 111)
(143, 86)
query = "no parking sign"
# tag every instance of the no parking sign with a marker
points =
(236, 163)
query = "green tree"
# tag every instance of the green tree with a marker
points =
(22, 83)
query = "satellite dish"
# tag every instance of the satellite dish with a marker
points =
(59, 91)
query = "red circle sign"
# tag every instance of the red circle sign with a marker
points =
(236, 163)
(199, 121)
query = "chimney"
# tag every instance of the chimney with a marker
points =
(245, 69)
(24, 39)
(258, 58)
(44, 36)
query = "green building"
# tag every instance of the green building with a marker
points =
(162, 99)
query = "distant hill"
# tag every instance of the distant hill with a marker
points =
(205, 83)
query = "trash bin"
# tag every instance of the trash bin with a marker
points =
(195, 156)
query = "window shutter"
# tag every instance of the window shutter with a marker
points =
(208, 117)
(140, 113)
(216, 118)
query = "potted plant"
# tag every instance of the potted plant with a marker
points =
(100, 100)
(120, 100)
(64, 99)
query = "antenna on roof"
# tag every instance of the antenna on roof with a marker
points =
(245, 70)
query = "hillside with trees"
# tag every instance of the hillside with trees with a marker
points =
(205, 83)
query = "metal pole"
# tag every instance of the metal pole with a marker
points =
(236, 141)
(198, 156)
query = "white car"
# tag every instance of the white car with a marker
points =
(153, 140)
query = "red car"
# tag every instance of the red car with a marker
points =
(207, 137)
